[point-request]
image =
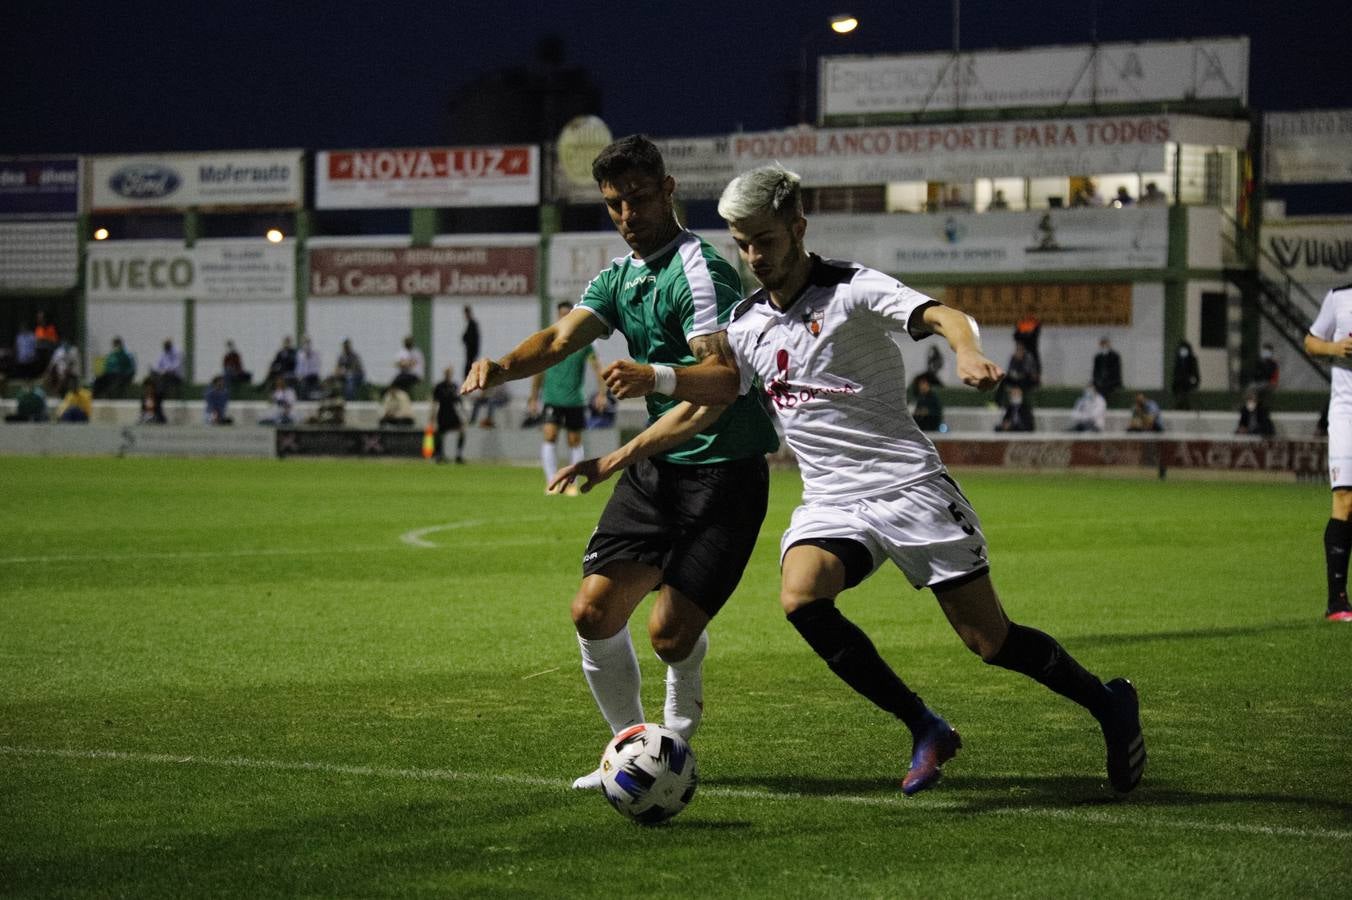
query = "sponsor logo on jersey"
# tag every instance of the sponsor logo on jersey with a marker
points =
(788, 394)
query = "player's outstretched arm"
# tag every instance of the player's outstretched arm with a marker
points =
(714, 379)
(1337, 349)
(537, 352)
(959, 329)
(675, 427)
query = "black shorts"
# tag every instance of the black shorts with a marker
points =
(698, 524)
(571, 418)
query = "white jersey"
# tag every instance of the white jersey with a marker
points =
(836, 378)
(1334, 323)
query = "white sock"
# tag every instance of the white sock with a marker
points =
(685, 690)
(576, 454)
(611, 669)
(548, 460)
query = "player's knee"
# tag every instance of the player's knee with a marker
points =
(984, 645)
(591, 617)
(672, 645)
(792, 600)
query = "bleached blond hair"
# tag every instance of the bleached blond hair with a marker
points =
(772, 190)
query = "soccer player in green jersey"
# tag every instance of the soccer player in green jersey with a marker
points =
(561, 387)
(682, 521)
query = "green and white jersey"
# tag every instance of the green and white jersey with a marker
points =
(563, 381)
(659, 303)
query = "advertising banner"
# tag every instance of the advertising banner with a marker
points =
(216, 269)
(39, 255)
(1316, 253)
(419, 177)
(38, 186)
(1213, 69)
(272, 178)
(1314, 145)
(1043, 240)
(461, 271)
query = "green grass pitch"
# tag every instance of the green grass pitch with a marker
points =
(329, 679)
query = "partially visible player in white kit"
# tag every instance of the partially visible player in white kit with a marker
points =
(1331, 335)
(818, 337)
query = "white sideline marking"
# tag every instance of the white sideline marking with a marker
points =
(1070, 815)
(186, 554)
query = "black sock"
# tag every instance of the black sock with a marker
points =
(854, 659)
(1035, 654)
(1337, 543)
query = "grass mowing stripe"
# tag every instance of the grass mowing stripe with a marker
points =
(937, 803)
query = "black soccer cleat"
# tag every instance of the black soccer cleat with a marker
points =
(1122, 733)
(935, 745)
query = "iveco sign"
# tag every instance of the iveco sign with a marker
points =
(144, 181)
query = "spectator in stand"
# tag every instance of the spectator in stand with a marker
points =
(232, 367)
(1022, 372)
(929, 411)
(283, 401)
(1186, 376)
(397, 408)
(283, 364)
(349, 371)
(45, 332)
(152, 404)
(28, 361)
(999, 201)
(1153, 196)
(410, 364)
(934, 364)
(954, 199)
(30, 406)
(1088, 195)
(1027, 331)
(1107, 377)
(1090, 412)
(1266, 373)
(1123, 198)
(119, 370)
(308, 370)
(1254, 417)
(470, 338)
(167, 373)
(1018, 415)
(217, 403)
(63, 364)
(78, 403)
(1145, 415)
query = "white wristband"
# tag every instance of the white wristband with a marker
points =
(664, 380)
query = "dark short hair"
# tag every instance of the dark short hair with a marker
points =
(628, 154)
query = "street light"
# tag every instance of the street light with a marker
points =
(840, 24)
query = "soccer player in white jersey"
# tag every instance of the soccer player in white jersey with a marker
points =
(818, 338)
(1331, 335)
(666, 526)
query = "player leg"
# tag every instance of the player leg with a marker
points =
(548, 459)
(677, 630)
(601, 611)
(976, 614)
(814, 572)
(575, 419)
(1338, 531)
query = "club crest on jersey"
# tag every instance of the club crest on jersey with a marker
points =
(813, 319)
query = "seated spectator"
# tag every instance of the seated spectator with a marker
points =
(167, 373)
(398, 408)
(29, 361)
(307, 370)
(283, 400)
(45, 332)
(331, 409)
(63, 364)
(999, 201)
(119, 370)
(283, 364)
(1123, 198)
(1088, 195)
(1090, 412)
(1266, 373)
(1023, 371)
(217, 405)
(1018, 415)
(1145, 415)
(488, 402)
(1254, 417)
(78, 403)
(929, 411)
(30, 406)
(410, 364)
(232, 367)
(349, 370)
(152, 404)
(1153, 196)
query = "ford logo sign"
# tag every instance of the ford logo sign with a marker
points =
(143, 181)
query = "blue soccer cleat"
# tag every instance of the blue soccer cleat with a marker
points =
(1122, 733)
(935, 745)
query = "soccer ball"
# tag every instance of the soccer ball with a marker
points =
(648, 773)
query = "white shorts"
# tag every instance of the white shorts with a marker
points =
(927, 529)
(1340, 451)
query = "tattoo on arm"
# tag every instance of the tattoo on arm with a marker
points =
(712, 345)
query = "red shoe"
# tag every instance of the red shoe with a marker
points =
(1339, 615)
(936, 745)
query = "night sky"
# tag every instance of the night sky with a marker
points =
(151, 75)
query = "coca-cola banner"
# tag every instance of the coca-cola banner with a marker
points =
(461, 271)
(418, 177)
